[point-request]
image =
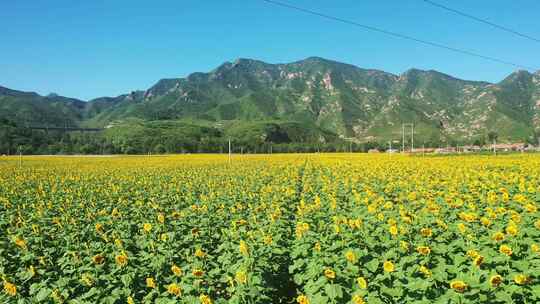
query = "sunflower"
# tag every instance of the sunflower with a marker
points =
(478, 261)
(505, 250)
(150, 283)
(174, 289)
(121, 259)
(147, 227)
(98, 259)
(199, 253)
(388, 266)
(87, 279)
(404, 245)
(495, 280)
(473, 253)
(10, 288)
(358, 299)
(243, 247)
(521, 279)
(301, 229)
(458, 286)
(176, 270)
(362, 283)
(240, 277)
(424, 250)
(498, 236)
(423, 269)
(197, 272)
(204, 299)
(329, 273)
(21, 243)
(512, 230)
(302, 299)
(426, 232)
(350, 256)
(99, 228)
(393, 230)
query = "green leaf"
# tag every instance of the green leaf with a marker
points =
(92, 292)
(393, 292)
(318, 299)
(165, 301)
(503, 296)
(374, 300)
(333, 291)
(418, 284)
(372, 265)
(536, 291)
(43, 294)
(126, 279)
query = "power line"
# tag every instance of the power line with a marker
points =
(500, 27)
(398, 35)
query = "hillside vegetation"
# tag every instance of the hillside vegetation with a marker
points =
(315, 101)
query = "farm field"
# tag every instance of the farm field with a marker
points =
(297, 228)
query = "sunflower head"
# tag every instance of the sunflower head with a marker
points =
(329, 273)
(458, 286)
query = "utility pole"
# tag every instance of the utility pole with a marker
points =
(20, 157)
(412, 137)
(229, 150)
(403, 125)
(402, 138)
(494, 146)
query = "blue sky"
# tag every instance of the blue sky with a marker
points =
(87, 49)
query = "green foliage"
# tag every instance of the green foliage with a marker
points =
(284, 101)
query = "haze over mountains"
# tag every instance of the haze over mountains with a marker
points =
(310, 100)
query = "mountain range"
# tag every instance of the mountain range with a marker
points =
(309, 100)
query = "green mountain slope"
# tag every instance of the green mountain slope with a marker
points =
(30, 108)
(310, 100)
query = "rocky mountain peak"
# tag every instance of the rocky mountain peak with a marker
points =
(339, 98)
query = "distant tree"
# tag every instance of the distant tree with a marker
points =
(492, 136)
(160, 149)
(129, 150)
(86, 149)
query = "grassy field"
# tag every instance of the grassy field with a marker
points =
(298, 228)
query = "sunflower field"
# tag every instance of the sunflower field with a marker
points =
(297, 228)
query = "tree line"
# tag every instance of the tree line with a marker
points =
(17, 139)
